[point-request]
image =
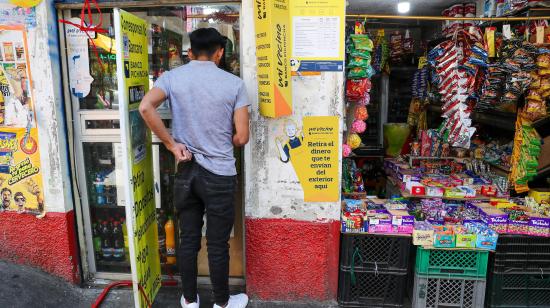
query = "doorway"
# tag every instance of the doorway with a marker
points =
(90, 84)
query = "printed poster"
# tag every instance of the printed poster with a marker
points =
(21, 186)
(133, 82)
(318, 35)
(13, 15)
(314, 154)
(20, 177)
(78, 59)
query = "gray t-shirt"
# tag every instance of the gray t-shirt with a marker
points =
(202, 100)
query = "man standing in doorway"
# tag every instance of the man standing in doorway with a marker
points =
(209, 116)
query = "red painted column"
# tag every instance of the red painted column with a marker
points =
(48, 243)
(290, 260)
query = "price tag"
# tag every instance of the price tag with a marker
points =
(507, 32)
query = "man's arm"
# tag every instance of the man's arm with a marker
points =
(148, 109)
(240, 119)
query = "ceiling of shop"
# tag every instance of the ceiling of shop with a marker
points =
(389, 7)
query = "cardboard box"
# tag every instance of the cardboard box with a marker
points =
(466, 240)
(539, 225)
(540, 194)
(444, 240)
(423, 237)
(433, 191)
(495, 219)
(415, 188)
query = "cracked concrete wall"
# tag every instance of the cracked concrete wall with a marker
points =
(46, 77)
(272, 187)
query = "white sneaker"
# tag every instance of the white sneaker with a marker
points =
(190, 305)
(236, 301)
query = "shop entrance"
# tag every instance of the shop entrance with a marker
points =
(90, 84)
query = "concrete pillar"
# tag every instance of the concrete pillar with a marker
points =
(291, 246)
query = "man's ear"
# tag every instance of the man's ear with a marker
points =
(190, 54)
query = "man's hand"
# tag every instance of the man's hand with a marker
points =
(181, 153)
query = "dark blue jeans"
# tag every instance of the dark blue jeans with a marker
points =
(196, 191)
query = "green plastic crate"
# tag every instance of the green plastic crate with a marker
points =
(452, 263)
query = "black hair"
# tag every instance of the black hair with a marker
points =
(206, 41)
(19, 194)
(5, 189)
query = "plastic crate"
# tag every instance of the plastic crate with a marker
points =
(376, 252)
(515, 290)
(521, 244)
(435, 292)
(452, 263)
(518, 253)
(372, 289)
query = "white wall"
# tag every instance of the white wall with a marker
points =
(272, 188)
(46, 75)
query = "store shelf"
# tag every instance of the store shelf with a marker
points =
(406, 194)
(367, 152)
(494, 118)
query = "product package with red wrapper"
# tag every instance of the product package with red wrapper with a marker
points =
(460, 66)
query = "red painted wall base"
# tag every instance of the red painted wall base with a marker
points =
(288, 260)
(48, 243)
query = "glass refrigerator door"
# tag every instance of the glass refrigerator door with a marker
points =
(96, 127)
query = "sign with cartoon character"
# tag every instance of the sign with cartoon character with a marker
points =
(20, 170)
(313, 152)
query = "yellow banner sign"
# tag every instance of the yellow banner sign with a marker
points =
(133, 78)
(273, 57)
(314, 155)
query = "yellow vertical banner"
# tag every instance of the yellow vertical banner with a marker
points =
(133, 83)
(314, 154)
(272, 23)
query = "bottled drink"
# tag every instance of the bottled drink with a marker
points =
(96, 238)
(118, 242)
(106, 241)
(100, 190)
(161, 236)
(170, 241)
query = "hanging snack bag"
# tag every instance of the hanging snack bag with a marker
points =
(357, 73)
(362, 42)
(359, 62)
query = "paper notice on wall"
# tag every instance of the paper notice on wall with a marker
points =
(78, 59)
(120, 181)
(13, 15)
(16, 105)
(318, 36)
(315, 37)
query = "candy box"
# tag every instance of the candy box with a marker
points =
(468, 191)
(406, 175)
(466, 240)
(540, 194)
(444, 240)
(433, 191)
(423, 237)
(401, 218)
(454, 193)
(539, 225)
(487, 241)
(415, 188)
(354, 224)
(518, 226)
(494, 218)
(380, 222)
